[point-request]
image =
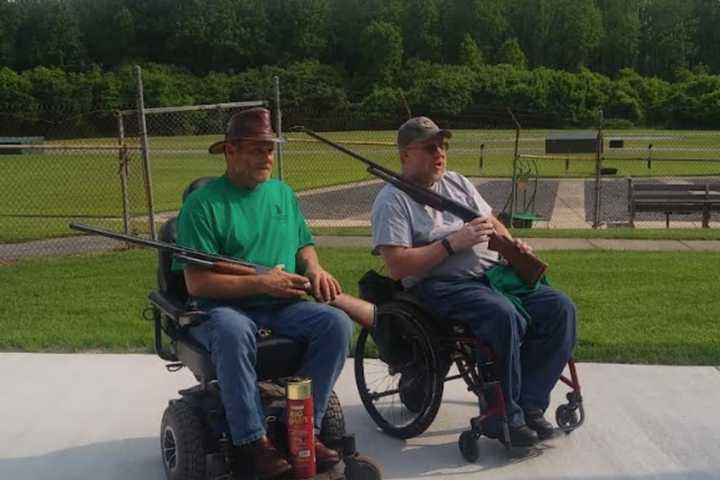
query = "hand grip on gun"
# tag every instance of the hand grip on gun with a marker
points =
(478, 230)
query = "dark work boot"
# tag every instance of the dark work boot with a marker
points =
(521, 436)
(535, 420)
(269, 462)
(325, 457)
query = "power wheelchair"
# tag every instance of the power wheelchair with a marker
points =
(195, 438)
(401, 368)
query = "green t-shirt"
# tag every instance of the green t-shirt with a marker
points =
(263, 225)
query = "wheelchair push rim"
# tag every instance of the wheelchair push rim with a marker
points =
(402, 399)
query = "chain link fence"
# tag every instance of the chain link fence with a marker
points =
(89, 168)
(177, 148)
(509, 157)
(59, 169)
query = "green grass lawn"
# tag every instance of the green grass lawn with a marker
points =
(40, 192)
(644, 307)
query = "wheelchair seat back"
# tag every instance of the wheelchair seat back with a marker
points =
(276, 356)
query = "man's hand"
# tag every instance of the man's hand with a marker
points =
(523, 246)
(324, 286)
(472, 233)
(279, 283)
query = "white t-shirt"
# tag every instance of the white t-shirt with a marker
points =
(399, 220)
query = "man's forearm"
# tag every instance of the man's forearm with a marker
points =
(405, 261)
(307, 259)
(209, 284)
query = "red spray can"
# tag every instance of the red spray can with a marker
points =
(300, 423)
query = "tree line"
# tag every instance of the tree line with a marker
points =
(642, 62)
(653, 37)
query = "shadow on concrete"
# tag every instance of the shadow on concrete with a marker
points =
(132, 458)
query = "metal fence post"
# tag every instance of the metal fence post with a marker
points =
(145, 152)
(278, 126)
(513, 188)
(598, 171)
(123, 170)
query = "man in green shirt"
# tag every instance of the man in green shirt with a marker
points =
(246, 215)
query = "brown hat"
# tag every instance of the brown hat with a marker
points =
(250, 124)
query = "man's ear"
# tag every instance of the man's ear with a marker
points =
(403, 156)
(229, 149)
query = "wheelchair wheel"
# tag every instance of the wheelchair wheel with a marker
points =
(468, 444)
(182, 442)
(403, 397)
(358, 467)
(332, 429)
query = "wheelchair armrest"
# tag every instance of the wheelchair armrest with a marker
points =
(174, 308)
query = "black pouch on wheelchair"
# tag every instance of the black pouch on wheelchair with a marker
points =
(390, 337)
(376, 288)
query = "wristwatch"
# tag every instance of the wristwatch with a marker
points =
(448, 248)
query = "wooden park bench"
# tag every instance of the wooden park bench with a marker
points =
(15, 145)
(671, 198)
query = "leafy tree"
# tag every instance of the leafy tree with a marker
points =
(531, 22)
(108, 30)
(667, 29)
(485, 21)
(470, 55)
(349, 18)
(384, 104)
(297, 30)
(48, 34)
(511, 54)
(421, 28)
(707, 34)
(620, 45)
(8, 28)
(447, 92)
(15, 91)
(574, 35)
(382, 54)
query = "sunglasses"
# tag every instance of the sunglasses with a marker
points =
(431, 147)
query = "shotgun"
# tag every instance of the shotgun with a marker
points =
(359, 310)
(527, 265)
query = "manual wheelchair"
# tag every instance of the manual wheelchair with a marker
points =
(401, 368)
(194, 435)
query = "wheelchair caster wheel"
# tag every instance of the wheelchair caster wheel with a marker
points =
(358, 467)
(566, 418)
(469, 446)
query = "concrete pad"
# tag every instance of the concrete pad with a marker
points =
(98, 416)
(569, 208)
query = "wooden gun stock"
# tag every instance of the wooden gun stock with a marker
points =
(528, 266)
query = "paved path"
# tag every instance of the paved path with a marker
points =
(88, 417)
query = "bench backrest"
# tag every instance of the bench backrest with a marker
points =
(675, 187)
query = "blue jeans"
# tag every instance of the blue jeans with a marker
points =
(229, 335)
(530, 358)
